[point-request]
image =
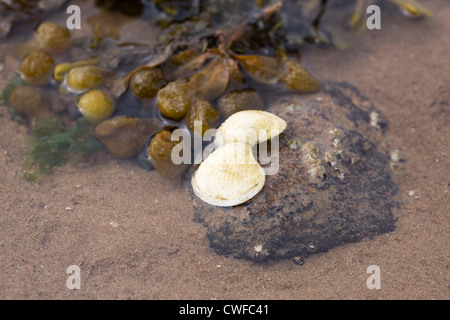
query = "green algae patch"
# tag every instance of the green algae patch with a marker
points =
(50, 144)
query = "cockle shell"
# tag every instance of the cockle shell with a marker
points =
(250, 126)
(229, 176)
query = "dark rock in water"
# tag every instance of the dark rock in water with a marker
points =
(333, 185)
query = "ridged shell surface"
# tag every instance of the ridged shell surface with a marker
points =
(250, 126)
(229, 176)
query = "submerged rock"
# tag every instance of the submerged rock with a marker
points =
(333, 185)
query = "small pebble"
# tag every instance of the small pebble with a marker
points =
(114, 224)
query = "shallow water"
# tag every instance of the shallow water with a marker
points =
(133, 233)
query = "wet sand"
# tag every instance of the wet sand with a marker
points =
(132, 233)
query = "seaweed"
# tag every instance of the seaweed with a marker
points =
(50, 144)
(209, 47)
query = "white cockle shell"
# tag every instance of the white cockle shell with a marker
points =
(249, 126)
(229, 176)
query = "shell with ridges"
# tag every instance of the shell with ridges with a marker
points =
(229, 176)
(250, 126)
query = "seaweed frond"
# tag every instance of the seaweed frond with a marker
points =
(49, 144)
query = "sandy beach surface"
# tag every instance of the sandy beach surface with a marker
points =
(133, 236)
